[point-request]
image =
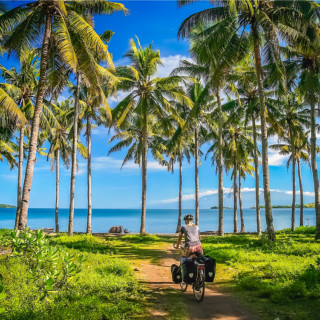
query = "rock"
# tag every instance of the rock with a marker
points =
(116, 229)
(136, 269)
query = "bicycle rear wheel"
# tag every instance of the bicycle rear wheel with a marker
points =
(198, 290)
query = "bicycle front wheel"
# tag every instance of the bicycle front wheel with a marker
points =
(198, 290)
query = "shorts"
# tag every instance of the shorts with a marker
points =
(190, 250)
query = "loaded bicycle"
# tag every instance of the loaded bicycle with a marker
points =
(196, 271)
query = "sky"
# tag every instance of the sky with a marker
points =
(155, 22)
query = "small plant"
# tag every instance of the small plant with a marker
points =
(2, 295)
(51, 266)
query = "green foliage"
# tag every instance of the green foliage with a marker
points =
(281, 271)
(2, 295)
(88, 285)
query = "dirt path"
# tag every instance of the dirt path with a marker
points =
(216, 304)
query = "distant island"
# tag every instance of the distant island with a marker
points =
(307, 205)
(216, 207)
(6, 206)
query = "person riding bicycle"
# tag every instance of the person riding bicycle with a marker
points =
(192, 237)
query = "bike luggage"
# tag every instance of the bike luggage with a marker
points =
(210, 268)
(176, 274)
(189, 270)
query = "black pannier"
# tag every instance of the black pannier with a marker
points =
(176, 274)
(189, 270)
(210, 268)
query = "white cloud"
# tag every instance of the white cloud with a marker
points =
(230, 190)
(275, 159)
(10, 176)
(170, 63)
(111, 164)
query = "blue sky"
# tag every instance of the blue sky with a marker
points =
(156, 22)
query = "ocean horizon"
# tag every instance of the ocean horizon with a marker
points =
(157, 220)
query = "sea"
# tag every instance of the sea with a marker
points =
(157, 220)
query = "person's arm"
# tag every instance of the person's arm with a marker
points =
(179, 240)
(199, 234)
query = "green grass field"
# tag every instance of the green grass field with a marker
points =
(278, 280)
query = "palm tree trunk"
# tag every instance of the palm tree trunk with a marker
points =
(144, 175)
(20, 169)
(196, 172)
(235, 198)
(301, 192)
(180, 195)
(264, 142)
(243, 229)
(35, 125)
(256, 174)
(293, 207)
(56, 216)
(74, 156)
(220, 168)
(89, 216)
(315, 169)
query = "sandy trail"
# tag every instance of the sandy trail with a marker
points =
(216, 304)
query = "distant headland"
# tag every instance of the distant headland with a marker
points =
(307, 205)
(6, 206)
(216, 207)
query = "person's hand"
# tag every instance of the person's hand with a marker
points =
(175, 246)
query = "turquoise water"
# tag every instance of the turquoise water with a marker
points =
(157, 221)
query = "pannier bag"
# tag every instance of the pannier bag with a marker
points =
(210, 268)
(176, 274)
(189, 270)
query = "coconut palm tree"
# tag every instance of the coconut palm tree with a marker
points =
(65, 26)
(132, 136)
(238, 147)
(180, 146)
(148, 98)
(289, 124)
(211, 65)
(262, 21)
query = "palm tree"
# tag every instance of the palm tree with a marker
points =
(148, 98)
(297, 153)
(238, 147)
(132, 136)
(262, 20)
(209, 53)
(289, 123)
(64, 25)
(180, 147)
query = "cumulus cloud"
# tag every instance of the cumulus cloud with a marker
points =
(230, 190)
(112, 164)
(275, 159)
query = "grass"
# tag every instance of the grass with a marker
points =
(279, 279)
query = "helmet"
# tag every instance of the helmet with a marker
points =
(188, 217)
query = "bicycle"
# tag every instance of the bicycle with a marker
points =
(198, 287)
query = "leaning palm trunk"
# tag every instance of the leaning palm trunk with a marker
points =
(256, 176)
(243, 229)
(315, 169)
(89, 215)
(35, 125)
(301, 192)
(196, 172)
(180, 195)
(264, 142)
(74, 157)
(293, 208)
(235, 198)
(20, 168)
(220, 168)
(56, 216)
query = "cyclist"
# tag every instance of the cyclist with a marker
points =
(192, 237)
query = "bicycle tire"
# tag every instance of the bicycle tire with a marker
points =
(183, 286)
(199, 293)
